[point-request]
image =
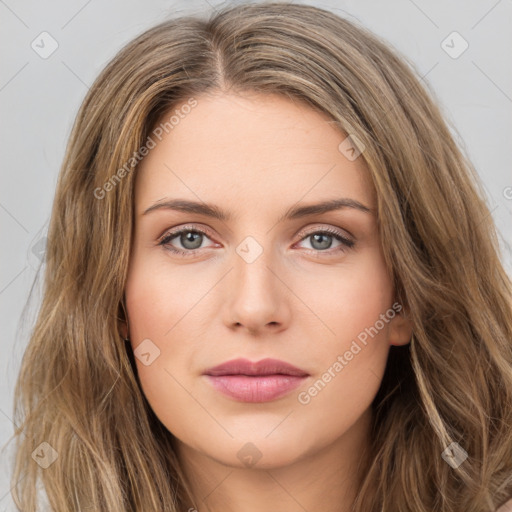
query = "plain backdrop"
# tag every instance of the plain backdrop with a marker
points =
(469, 73)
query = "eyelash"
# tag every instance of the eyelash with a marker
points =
(346, 243)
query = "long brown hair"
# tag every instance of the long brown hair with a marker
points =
(78, 390)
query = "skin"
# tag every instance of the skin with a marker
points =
(255, 156)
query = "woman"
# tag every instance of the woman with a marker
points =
(270, 211)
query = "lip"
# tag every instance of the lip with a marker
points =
(261, 381)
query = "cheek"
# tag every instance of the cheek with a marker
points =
(159, 297)
(348, 299)
(351, 359)
(164, 315)
(350, 366)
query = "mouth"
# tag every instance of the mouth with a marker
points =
(262, 381)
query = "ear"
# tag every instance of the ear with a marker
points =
(122, 328)
(122, 325)
(400, 329)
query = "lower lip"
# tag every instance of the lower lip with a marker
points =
(255, 389)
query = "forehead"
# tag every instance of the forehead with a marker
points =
(250, 148)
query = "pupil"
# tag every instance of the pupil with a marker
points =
(319, 238)
(191, 240)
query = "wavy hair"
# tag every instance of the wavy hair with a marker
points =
(78, 388)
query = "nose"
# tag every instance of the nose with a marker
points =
(258, 299)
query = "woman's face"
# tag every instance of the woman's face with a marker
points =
(261, 271)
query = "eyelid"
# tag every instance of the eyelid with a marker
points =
(174, 232)
(190, 227)
(329, 229)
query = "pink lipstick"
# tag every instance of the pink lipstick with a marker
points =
(260, 381)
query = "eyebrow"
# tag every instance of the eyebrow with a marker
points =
(295, 212)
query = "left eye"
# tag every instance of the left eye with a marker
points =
(322, 240)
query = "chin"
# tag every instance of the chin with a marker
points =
(258, 452)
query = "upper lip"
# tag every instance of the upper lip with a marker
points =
(259, 368)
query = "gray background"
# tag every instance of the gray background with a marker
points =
(39, 98)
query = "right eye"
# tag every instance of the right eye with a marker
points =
(190, 239)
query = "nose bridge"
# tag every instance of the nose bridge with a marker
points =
(252, 276)
(256, 296)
